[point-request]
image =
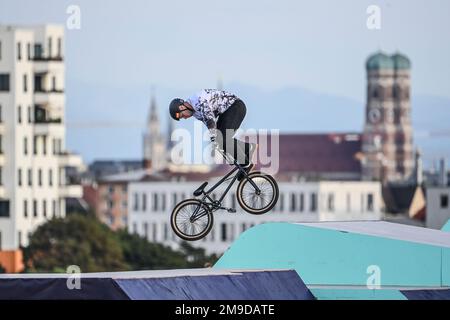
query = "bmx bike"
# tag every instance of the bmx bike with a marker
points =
(257, 193)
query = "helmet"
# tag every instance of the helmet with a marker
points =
(174, 108)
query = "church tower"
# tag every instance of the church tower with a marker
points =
(154, 146)
(387, 138)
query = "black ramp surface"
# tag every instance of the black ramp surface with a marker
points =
(263, 285)
(441, 294)
(56, 289)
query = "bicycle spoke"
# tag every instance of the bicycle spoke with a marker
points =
(199, 222)
(262, 200)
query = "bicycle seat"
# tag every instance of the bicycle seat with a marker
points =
(200, 189)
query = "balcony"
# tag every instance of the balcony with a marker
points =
(44, 64)
(71, 191)
(67, 159)
(49, 126)
(39, 58)
(49, 97)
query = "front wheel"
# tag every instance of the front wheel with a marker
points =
(191, 220)
(254, 202)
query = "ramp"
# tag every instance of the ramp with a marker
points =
(188, 284)
(339, 259)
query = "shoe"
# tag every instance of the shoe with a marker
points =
(247, 169)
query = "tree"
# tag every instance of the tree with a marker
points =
(196, 257)
(75, 240)
(143, 255)
(82, 240)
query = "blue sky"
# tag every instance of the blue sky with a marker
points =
(181, 46)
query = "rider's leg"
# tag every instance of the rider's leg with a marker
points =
(227, 124)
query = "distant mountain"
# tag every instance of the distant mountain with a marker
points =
(106, 122)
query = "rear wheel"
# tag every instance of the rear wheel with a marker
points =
(252, 201)
(191, 220)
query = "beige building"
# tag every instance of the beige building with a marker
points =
(33, 156)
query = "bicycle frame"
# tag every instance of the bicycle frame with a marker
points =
(215, 205)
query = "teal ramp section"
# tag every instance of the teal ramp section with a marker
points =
(446, 226)
(347, 254)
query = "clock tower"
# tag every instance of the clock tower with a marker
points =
(387, 137)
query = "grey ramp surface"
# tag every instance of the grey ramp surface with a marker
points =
(253, 285)
(388, 230)
(183, 284)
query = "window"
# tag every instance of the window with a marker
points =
(53, 83)
(25, 208)
(154, 233)
(29, 115)
(313, 204)
(35, 145)
(44, 145)
(19, 177)
(293, 202)
(233, 200)
(19, 114)
(1, 144)
(25, 146)
(39, 177)
(166, 232)
(4, 82)
(444, 201)
(349, 203)
(49, 47)
(174, 199)
(145, 227)
(0, 50)
(124, 205)
(1, 118)
(29, 51)
(25, 83)
(1, 176)
(331, 202)
(38, 52)
(19, 235)
(19, 51)
(35, 213)
(302, 203)
(44, 208)
(163, 202)
(59, 53)
(111, 189)
(135, 202)
(4, 208)
(370, 202)
(144, 202)
(54, 208)
(155, 201)
(134, 227)
(30, 177)
(223, 232)
(50, 177)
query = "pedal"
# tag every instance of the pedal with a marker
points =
(231, 210)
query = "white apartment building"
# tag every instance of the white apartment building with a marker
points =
(150, 204)
(438, 206)
(33, 159)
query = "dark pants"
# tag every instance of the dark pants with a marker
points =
(227, 124)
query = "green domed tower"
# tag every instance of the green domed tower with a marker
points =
(387, 138)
